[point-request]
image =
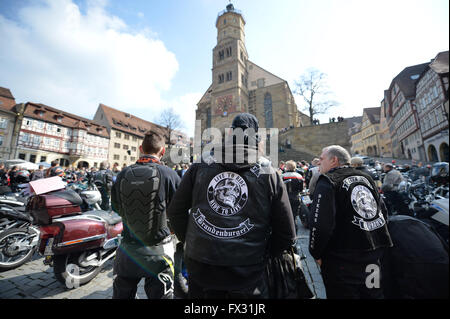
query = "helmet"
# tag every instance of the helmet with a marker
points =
(23, 176)
(404, 186)
(439, 173)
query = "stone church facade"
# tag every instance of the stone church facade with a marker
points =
(239, 85)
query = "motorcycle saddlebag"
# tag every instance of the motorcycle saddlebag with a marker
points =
(46, 207)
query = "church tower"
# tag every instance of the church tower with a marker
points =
(239, 85)
(229, 72)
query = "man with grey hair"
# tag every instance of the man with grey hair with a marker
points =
(348, 227)
(104, 180)
(392, 178)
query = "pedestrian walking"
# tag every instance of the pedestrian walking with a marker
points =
(294, 186)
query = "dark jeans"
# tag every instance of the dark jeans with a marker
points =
(105, 199)
(126, 288)
(257, 291)
(345, 280)
(131, 265)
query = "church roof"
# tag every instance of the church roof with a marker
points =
(256, 72)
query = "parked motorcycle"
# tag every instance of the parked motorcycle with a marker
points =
(75, 243)
(18, 237)
(305, 202)
(89, 193)
(422, 201)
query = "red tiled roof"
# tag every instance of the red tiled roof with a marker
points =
(6, 93)
(129, 123)
(49, 114)
(7, 100)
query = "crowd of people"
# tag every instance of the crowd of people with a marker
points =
(227, 218)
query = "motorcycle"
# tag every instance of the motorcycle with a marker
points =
(422, 201)
(305, 202)
(89, 193)
(76, 244)
(18, 237)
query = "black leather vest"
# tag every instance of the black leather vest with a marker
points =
(360, 224)
(229, 222)
(143, 212)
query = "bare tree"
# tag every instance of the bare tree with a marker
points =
(312, 87)
(171, 121)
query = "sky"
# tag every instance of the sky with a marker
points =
(143, 56)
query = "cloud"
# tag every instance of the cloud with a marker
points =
(73, 61)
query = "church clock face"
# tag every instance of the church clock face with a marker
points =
(225, 105)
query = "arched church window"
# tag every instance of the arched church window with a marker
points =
(268, 110)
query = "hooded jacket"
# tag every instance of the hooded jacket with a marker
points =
(224, 208)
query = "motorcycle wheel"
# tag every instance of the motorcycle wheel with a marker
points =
(69, 272)
(10, 255)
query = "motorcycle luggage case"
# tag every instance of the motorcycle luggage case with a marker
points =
(81, 234)
(48, 206)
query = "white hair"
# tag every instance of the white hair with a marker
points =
(341, 153)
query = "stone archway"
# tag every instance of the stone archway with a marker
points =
(432, 154)
(83, 164)
(443, 152)
(63, 162)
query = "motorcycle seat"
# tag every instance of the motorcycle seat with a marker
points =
(69, 195)
(112, 218)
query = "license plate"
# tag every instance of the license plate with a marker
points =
(48, 247)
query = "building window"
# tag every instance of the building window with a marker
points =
(116, 145)
(33, 158)
(221, 55)
(133, 148)
(132, 158)
(118, 135)
(134, 138)
(3, 123)
(125, 147)
(126, 136)
(43, 158)
(229, 76)
(221, 78)
(116, 157)
(268, 110)
(229, 52)
(208, 117)
(22, 156)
